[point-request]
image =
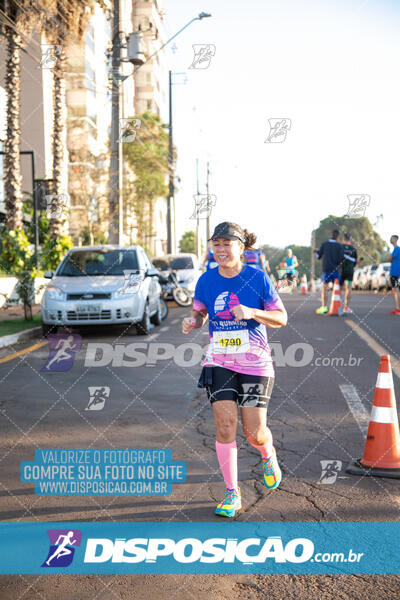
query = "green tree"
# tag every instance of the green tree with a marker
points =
(147, 155)
(188, 242)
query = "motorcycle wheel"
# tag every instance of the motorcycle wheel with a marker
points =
(182, 296)
(164, 309)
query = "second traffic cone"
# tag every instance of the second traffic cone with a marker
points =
(303, 284)
(382, 447)
(336, 304)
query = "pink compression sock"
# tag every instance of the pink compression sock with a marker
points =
(266, 449)
(227, 458)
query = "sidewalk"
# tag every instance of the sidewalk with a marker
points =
(13, 326)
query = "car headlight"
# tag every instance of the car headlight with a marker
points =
(54, 293)
(130, 287)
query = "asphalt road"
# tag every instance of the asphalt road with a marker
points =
(157, 405)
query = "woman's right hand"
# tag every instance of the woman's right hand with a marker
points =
(187, 324)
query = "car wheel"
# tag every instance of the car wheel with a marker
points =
(143, 327)
(157, 318)
(46, 329)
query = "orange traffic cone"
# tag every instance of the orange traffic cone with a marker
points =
(336, 305)
(303, 284)
(382, 447)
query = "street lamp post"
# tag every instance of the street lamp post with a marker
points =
(171, 186)
(116, 147)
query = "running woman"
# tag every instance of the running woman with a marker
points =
(241, 303)
(254, 258)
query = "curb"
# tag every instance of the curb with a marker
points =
(7, 340)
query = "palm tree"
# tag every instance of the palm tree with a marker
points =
(66, 23)
(17, 20)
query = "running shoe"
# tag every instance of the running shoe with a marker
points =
(272, 472)
(347, 310)
(230, 504)
(322, 310)
(396, 311)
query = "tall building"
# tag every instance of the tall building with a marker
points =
(151, 95)
(151, 78)
(88, 100)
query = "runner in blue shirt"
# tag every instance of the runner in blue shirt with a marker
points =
(241, 304)
(394, 258)
(209, 261)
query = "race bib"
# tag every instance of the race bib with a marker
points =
(230, 342)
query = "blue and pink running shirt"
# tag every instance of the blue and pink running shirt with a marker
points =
(240, 346)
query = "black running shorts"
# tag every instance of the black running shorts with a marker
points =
(246, 390)
(394, 281)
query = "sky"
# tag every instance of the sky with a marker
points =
(331, 67)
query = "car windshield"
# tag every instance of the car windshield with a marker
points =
(181, 262)
(98, 262)
(161, 264)
(374, 267)
(386, 267)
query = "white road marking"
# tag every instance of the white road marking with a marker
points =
(153, 336)
(165, 328)
(374, 345)
(356, 406)
(175, 321)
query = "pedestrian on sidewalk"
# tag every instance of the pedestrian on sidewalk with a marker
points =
(332, 254)
(241, 303)
(394, 258)
(348, 265)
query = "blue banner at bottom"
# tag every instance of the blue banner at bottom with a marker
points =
(209, 548)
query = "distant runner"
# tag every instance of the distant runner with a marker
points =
(291, 263)
(394, 258)
(241, 303)
(332, 254)
(254, 258)
(209, 261)
(347, 272)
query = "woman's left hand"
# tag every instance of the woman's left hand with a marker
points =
(242, 312)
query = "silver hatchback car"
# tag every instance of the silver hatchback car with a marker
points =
(105, 285)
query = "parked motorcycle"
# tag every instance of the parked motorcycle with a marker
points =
(171, 289)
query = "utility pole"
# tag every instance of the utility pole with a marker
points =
(208, 200)
(116, 209)
(171, 188)
(198, 241)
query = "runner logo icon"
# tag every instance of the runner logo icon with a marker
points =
(61, 551)
(62, 352)
(252, 394)
(97, 398)
(330, 470)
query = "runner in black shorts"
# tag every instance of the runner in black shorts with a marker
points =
(238, 370)
(347, 270)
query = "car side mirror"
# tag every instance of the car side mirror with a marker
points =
(151, 273)
(48, 275)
